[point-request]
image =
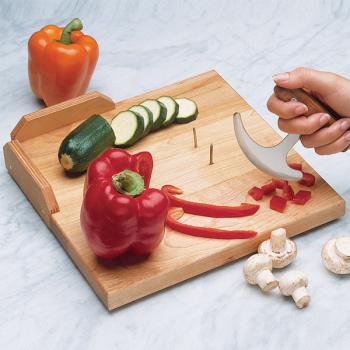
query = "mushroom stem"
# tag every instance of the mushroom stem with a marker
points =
(266, 280)
(278, 240)
(301, 297)
(342, 247)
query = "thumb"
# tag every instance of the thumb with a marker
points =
(319, 82)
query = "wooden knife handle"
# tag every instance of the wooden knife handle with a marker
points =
(313, 104)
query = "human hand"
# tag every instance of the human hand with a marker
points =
(329, 88)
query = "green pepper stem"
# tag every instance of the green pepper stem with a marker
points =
(128, 182)
(75, 24)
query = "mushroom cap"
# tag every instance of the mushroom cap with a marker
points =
(291, 281)
(280, 259)
(254, 265)
(331, 258)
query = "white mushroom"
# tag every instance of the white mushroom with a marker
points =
(279, 248)
(257, 270)
(336, 255)
(294, 283)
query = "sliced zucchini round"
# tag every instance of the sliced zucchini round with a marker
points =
(85, 143)
(172, 109)
(158, 112)
(146, 114)
(128, 128)
(188, 111)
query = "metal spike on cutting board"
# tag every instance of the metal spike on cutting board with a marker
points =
(195, 143)
(211, 154)
(273, 160)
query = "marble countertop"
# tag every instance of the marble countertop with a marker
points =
(45, 303)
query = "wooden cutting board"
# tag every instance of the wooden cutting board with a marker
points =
(31, 158)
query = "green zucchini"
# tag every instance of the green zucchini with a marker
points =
(128, 128)
(188, 111)
(146, 114)
(85, 143)
(172, 109)
(158, 112)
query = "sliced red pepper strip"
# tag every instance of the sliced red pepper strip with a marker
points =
(279, 183)
(256, 193)
(174, 214)
(288, 192)
(296, 166)
(302, 197)
(278, 203)
(308, 180)
(268, 188)
(210, 210)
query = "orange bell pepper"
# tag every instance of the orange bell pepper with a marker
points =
(61, 62)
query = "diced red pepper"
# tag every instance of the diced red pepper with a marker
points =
(279, 183)
(174, 214)
(256, 192)
(296, 166)
(268, 188)
(278, 203)
(308, 180)
(288, 192)
(302, 197)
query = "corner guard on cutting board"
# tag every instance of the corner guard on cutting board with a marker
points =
(60, 115)
(26, 174)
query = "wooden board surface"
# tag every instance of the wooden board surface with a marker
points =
(176, 162)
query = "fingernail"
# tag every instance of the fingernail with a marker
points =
(344, 124)
(347, 136)
(324, 119)
(301, 109)
(278, 78)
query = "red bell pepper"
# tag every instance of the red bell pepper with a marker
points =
(268, 188)
(120, 213)
(210, 210)
(288, 192)
(256, 193)
(114, 159)
(278, 203)
(279, 183)
(296, 166)
(302, 197)
(174, 214)
(308, 180)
